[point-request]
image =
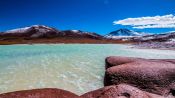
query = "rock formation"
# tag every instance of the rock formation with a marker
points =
(155, 76)
(120, 91)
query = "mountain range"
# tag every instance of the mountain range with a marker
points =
(134, 36)
(41, 31)
(35, 32)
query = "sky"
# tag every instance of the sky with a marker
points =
(100, 16)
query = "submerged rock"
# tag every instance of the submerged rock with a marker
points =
(40, 93)
(155, 76)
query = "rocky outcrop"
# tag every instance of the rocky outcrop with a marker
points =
(113, 61)
(120, 91)
(155, 76)
(40, 93)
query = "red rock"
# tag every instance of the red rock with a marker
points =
(155, 76)
(113, 60)
(40, 93)
(120, 91)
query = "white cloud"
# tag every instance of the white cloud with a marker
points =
(166, 21)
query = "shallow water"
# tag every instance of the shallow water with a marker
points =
(74, 67)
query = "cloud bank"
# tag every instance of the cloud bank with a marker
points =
(166, 21)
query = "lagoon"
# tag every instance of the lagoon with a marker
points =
(78, 68)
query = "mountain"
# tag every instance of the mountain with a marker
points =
(80, 34)
(35, 31)
(123, 33)
(41, 31)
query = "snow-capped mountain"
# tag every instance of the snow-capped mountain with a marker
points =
(34, 31)
(123, 33)
(38, 28)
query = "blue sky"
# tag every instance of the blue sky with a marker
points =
(87, 15)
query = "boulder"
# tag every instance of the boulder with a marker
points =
(155, 76)
(113, 61)
(120, 91)
(40, 93)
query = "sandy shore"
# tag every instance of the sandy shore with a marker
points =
(60, 40)
(154, 45)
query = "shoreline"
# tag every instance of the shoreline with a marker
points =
(151, 48)
(62, 41)
(130, 45)
(154, 45)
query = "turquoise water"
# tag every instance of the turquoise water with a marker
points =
(74, 67)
